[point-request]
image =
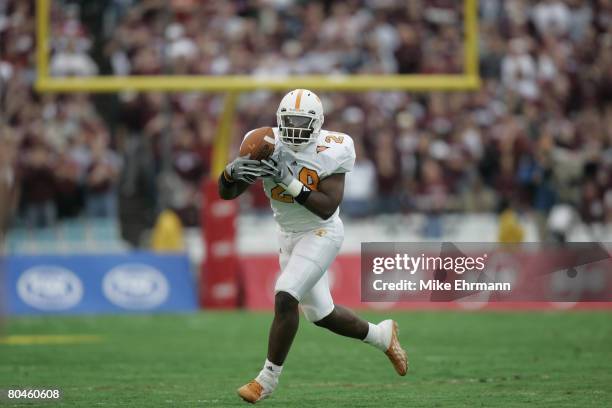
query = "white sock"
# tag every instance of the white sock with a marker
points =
(379, 335)
(268, 376)
(376, 337)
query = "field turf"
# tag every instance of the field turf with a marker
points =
(500, 359)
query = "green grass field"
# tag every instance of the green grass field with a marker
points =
(502, 359)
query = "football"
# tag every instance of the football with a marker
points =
(259, 143)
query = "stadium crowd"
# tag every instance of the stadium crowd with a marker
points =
(538, 134)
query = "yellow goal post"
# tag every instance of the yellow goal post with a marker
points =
(234, 84)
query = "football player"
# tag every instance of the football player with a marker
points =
(304, 180)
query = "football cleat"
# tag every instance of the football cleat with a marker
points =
(396, 354)
(253, 391)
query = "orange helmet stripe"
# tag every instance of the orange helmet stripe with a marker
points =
(298, 98)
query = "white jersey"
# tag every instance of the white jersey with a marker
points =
(333, 152)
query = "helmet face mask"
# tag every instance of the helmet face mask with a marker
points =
(299, 118)
(296, 130)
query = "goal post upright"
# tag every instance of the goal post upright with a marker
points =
(42, 43)
(470, 42)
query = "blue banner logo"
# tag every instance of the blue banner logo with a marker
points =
(50, 287)
(135, 286)
(73, 284)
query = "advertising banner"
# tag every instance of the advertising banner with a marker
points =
(75, 284)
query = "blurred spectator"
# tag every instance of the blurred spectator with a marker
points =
(68, 194)
(70, 62)
(70, 44)
(8, 179)
(519, 71)
(551, 17)
(101, 180)
(360, 185)
(560, 223)
(38, 186)
(433, 195)
(408, 51)
(388, 174)
(189, 162)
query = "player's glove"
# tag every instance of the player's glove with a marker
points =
(245, 169)
(281, 174)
